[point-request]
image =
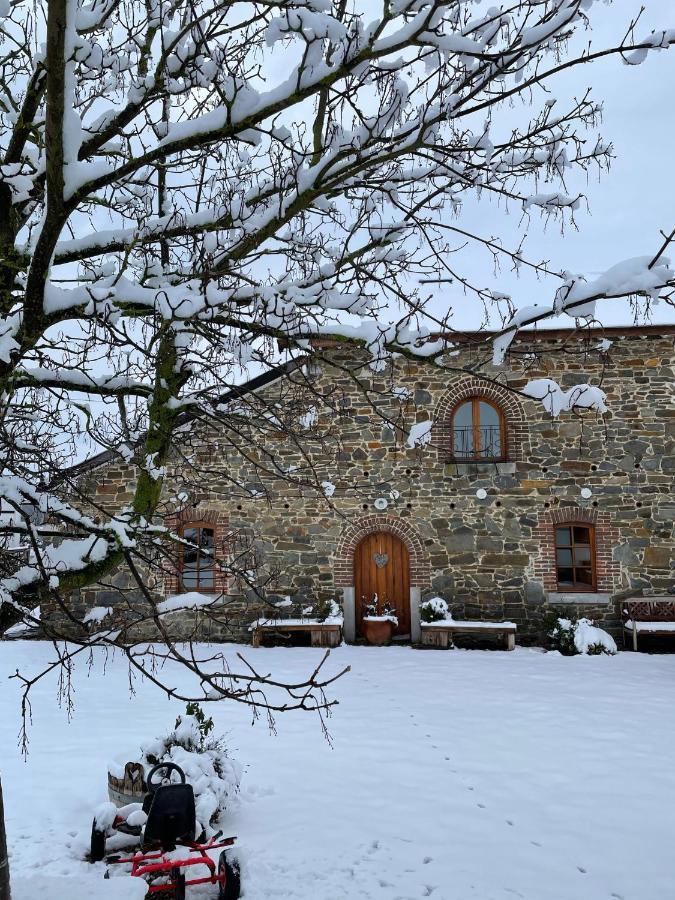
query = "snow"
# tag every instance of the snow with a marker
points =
(328, 488)
(306, 620)
(419, 434)
(468, 623)
(188, 600)
(650, 626)
(587, 635)
(556, 400)
(454, 775)
(97, 614)
(47, 887)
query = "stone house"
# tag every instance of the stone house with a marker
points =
(417, 481)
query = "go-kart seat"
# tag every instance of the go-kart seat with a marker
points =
(171, 816)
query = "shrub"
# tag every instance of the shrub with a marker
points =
(434, 610)
(578, 636)
(324, 609)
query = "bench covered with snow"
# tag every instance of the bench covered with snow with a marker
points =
(439, 634)
(653, 615)
(322, 634)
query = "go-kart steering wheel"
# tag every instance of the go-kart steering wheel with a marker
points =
(167, 768)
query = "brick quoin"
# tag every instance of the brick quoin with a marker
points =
(465, 389)
(355, 532)
(606, 538)
(219, 522)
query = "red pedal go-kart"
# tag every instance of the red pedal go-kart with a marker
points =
(171, 823)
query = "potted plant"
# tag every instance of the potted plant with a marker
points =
(379, 621)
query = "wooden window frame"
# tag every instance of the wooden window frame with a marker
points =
(202, 589)
(577, 587)
(475, 402)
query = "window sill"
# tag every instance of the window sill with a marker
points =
(580, 598)
(473, 468)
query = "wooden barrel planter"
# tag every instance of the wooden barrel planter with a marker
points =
(130, 788)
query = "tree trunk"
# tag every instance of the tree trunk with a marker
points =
(4, 861)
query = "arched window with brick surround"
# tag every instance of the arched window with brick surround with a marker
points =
(196, 563)
(478, 431)
(477, 420)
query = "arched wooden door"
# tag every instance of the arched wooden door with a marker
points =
(382, 567)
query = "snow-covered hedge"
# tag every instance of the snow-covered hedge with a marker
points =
(214, 776)
(580, 636)
(434, 610)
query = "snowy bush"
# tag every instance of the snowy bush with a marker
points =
(322, 610)
(214, 776)
(579, 636)
(434, 610)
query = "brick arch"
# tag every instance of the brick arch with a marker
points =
(606, 538)
(219, 521)
(356, 531)
(472, 386)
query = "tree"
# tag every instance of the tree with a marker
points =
(4, 858)
(184, 184)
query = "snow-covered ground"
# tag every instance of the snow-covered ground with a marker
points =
(454, 775)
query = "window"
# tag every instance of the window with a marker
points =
(198, 566)
(478, 431)
(575, 557)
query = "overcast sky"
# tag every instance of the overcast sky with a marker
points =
(632, 202)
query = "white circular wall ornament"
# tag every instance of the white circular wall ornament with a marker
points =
(394, 495)
(381, 503)
(481, 493)
(586, 493)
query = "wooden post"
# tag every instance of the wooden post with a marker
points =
(4, 860)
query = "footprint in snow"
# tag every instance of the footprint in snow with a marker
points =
(428, 890)
(427, 860)
(481, 805)
(582, 870)
(509, 822)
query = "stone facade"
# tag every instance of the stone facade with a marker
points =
(478, 534)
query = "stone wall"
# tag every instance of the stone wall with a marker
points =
(488, 556)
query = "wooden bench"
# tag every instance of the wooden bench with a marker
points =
(649, 616)
(439, 634)
(322, 634)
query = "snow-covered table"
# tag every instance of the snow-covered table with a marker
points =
(651, 616)
(439, 634)
(322, 634)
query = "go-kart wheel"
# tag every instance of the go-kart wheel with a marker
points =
(178, 883)
(167, 768)
(231, 887)
(97, 846)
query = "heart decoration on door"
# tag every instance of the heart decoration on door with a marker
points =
(381, 559)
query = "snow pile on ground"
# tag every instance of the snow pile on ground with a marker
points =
(581, 636)
(452, 775)
(588, 637)
(44, 887)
